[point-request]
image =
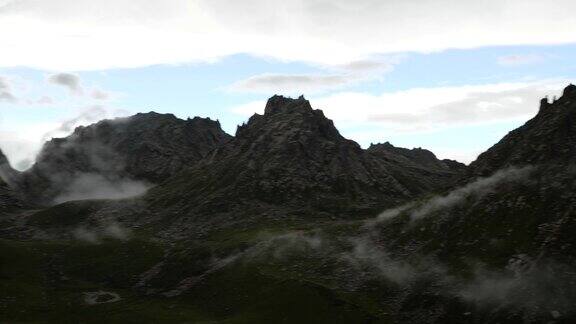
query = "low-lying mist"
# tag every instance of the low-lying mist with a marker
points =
(95, 186)
(478, 188)
(95, 235)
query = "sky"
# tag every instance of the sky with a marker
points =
(450, 76)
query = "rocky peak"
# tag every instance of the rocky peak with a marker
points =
(281, 104)
(287, 118)
(569, 91)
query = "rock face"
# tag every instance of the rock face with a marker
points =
(147, 147)
(294, 157)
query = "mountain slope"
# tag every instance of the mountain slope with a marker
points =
(508, 234)
(146, 147)
(293, 158)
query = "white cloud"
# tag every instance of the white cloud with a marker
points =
(99, 94)
(82, 34)
(18, 91)
(20, 142)
(513, 60)
(68, 80)
(73, 82)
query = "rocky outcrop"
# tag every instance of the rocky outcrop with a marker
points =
(147, 147)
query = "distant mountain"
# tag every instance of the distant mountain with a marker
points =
(293, 158)
(417, 168)
(147, 147)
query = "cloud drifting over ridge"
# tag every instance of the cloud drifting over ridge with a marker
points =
(72, 33)
(87, 104)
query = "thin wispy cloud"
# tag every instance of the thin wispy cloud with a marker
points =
(291, 83)
(99, 94)
(6, 94)
(82, 105)
(86, 116)
(69, 81)
(514, 60)
(368, 66)
(333, 77)
(74, 84)
(44, 100)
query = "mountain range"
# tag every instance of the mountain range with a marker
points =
(152, 218)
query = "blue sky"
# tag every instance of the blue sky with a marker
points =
(439, 91)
